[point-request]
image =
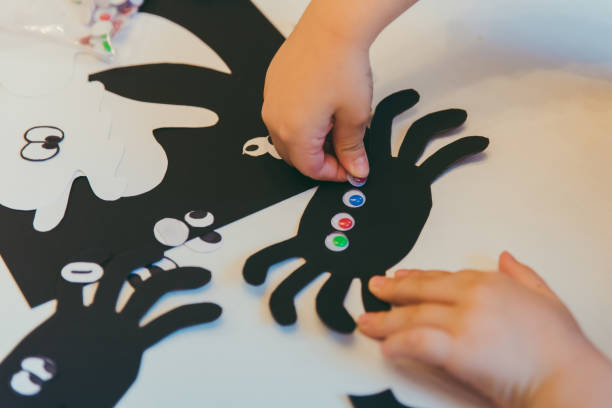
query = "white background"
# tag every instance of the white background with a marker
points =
(535, 77)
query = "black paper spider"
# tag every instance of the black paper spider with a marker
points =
(359, 232)
(88, 356)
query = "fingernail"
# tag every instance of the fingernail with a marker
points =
(360, 167)
(377, 282)
(402, 273)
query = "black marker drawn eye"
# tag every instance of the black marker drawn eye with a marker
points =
(43, 143)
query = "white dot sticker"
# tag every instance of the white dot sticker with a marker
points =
(171, 232)
(343, 222)
(354, 199)
(337, 242)
(82, 272)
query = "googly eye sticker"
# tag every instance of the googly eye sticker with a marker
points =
(199, 219)
(82, 272)
(353, 199)
(43, 143)
(24, 383)
(42, 367)
(357, 181)
(343, 222)
(337, 242)
(209, 242)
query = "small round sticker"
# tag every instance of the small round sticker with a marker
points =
(343, 222)
(82, 272)
(353, 199)
(337, 242)
(357, 181)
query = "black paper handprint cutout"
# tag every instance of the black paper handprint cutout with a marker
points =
(356, 232)
(88, 356)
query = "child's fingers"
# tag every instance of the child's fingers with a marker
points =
(428, 345)
(383, 324)
(523, 274)
(416, 289)
(348, 132)
(315, 164)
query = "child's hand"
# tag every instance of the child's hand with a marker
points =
(317, 82)
(504, 333)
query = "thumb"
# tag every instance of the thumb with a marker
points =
(348, 145)
(523, 274)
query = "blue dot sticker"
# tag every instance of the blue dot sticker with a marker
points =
(353, 198)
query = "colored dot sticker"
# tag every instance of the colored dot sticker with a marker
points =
(343, 222)
(337, 242)
(357, 181)
(353, 199)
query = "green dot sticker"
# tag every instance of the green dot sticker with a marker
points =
(337, 242)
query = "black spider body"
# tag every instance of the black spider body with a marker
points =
(390, 212)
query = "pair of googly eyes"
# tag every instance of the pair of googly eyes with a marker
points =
(35, 371)
(43, 143)
(172, 232)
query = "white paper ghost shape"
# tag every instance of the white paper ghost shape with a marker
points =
(47, 142)
(259, 146)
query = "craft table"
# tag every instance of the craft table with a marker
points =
(535, 78)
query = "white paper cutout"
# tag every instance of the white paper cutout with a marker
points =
(33, 67)
(144, 161)
(85, 149)
(259, 146)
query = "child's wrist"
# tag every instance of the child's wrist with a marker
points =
(583, 380)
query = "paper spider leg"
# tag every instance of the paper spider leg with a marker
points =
(142, 83)
(177, 319)
(421, 132)
(116, 273)
(330, 304)
(282, 302)
(441, 160)
(160, 284)
(69, 297)
(370, 302)
(386, 111)
(257, 265)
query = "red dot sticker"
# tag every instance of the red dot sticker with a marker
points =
(105, 17)
(343, 222)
